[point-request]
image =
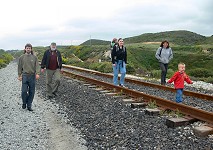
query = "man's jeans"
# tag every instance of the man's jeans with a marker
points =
(179, 95)
(28, 89)
(164, 68)
(119, 67)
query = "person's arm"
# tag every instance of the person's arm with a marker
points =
(60, 60)
(157, 55)
(44, 59)
(125, 56)
(37, 68)
(20, 67)
(173, 78)
(187, 79)
(171, 55)
(113, 53)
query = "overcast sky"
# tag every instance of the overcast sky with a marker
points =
(67, 22)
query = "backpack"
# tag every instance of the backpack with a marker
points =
(160, 51)
(117, 49)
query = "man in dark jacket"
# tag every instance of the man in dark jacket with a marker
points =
(52, 61)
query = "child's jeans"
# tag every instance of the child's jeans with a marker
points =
(179, 95)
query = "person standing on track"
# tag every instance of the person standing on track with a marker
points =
(119, 61)
(28, 72)
(164, 55)
(52, 61)
(179, 77)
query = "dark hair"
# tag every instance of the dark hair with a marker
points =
(28, 45)
(114, 40)
(119, 39)
(161, 45)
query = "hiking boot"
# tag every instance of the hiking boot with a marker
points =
(23, 106)
(49, 97)
(55, 94)
(29, 108)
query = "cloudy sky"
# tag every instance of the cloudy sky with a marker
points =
(67, 22)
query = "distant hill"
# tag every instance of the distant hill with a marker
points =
(176, 37)
(181, 37)
(209, 40)
(95, 42)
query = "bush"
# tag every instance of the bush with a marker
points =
(157, 73)
(2, 63)
(209, 80)
(130, 69)
(104, 67)
(201, 72)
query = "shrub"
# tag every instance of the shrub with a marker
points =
(200, 72)
(156, 74)
(2, 63)
(130, 69)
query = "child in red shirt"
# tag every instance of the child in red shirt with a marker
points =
(179, 77)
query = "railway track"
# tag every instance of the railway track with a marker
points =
(139, 82)
(166, 104)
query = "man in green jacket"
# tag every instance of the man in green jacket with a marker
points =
(28, 72)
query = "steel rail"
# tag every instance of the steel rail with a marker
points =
(168, 104)
(185, 92)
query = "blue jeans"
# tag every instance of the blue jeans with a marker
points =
(28, 89)
(179, 95)
(119, 67)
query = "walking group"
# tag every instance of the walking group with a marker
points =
(163, 54)
(29, 70)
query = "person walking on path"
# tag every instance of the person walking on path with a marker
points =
(179, 77)
(119, 61)
(164, 55)
(28, 72)
(52, 61)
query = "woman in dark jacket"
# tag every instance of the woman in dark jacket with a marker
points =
(119, 61)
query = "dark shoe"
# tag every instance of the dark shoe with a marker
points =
(23, 106)
(29, 108)
(49, 97)
(55, 94)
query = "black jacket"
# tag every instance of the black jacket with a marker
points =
(46, 59)
(119, 54)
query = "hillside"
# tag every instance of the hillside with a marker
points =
(181, 37)
(95, 42)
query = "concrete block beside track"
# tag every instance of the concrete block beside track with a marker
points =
(203, 130)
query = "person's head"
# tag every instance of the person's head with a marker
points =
(28, 49)
(120, 42)
(181, 67)
(115, 40)
(53, 46)
(164, 44)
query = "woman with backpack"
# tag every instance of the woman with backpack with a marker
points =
(164, 55)
(119, 61)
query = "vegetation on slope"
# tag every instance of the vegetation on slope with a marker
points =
(5, 58)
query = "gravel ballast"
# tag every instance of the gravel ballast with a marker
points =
(106, 122)
(206, 105)
(45, 128)
(82, 118)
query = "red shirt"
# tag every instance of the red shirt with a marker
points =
(53, 64)
(179, 79)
